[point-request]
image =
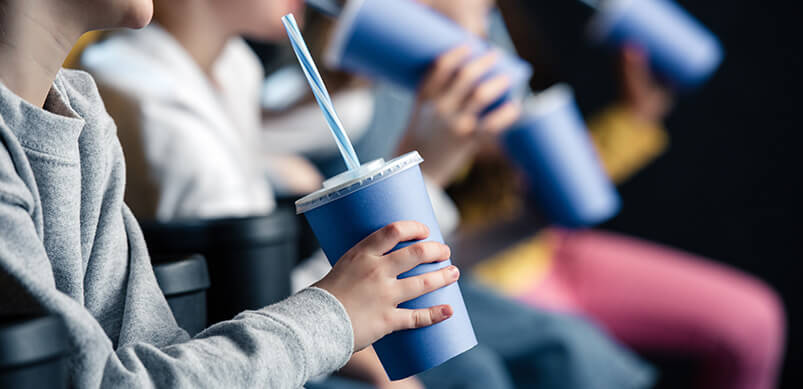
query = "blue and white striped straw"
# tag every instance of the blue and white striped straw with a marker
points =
(319, 90)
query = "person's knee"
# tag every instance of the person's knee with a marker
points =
(758, 339)
(768, 321)
(577, 353)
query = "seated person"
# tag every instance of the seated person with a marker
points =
(71, 248)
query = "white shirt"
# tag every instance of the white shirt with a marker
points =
(191, 146)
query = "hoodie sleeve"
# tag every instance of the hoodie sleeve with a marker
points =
(279, 346)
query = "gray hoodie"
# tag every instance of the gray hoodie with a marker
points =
(70, 247)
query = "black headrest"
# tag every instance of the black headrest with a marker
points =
(182, 276)
(191, 236)
(25, 340)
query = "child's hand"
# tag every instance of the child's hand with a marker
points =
(364, 280)
(644, 95)
(447, 125)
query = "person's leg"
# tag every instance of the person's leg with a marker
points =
(550, 350)
(657, 299)
(478, 368)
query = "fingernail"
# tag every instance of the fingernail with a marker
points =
(454, 272)
(446, 311)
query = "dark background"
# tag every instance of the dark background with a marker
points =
(728, 188)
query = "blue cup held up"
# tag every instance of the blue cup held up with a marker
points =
(358, 202)
(680, 49)
(551, 144)
(398, 41)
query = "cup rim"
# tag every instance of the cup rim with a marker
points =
(549, 100)
(344, 28)
(325, 196)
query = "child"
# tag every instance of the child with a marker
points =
(70, 247)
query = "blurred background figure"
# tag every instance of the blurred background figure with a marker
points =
(649, 297)
(726, 188)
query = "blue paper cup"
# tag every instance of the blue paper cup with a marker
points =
(353, 205)
(680, 48)
(551, 144)
(398, 40)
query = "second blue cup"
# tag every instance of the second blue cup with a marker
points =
(551, 144)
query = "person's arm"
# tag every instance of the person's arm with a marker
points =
(282, 345)
(629, 135)
(278, 346)
(448, 124)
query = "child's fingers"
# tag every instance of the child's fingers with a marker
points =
(416, 254)
(386, 238)
(486, 93)
(412, 287)
(500, 119)
(636, 77)
(467, 77)
(442, 71)
(405, 319)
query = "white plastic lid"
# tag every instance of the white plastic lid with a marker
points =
(351, 181)
(549, 100)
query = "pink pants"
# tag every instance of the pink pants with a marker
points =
(660, 300)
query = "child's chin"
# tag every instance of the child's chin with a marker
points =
(139, 15)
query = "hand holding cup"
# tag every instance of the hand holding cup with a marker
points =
(451, 118)
(365, 281)
(642, 92)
